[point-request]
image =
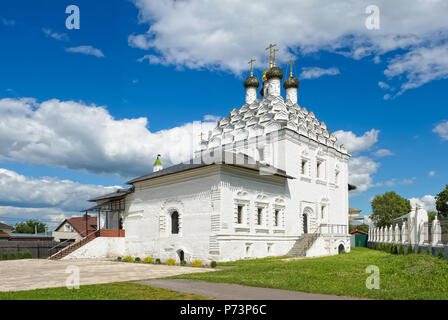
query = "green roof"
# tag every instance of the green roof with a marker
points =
(157, 162)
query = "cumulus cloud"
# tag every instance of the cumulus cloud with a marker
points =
(355, 143)
(225, 34)
(442, 130)
(88, 50)
(75, 136)
(428, 201)
(55, 35)
(361, 170)
(316, 72)
(22, 191)
(383, 153)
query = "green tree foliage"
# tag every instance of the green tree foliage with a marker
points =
(29, 227)
(442, 202)
(431, 215)
(387, 207)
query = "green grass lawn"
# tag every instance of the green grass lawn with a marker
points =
(401, 277)
(109, 291)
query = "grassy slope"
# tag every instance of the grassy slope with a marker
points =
(401, 277)
(110, 291)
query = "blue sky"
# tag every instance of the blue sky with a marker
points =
(172, 76)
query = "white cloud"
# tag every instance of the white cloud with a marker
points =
(225, 34)
(55, 35)
(361, 170)
(419, 66)
(432, 173)
(88, 50)
(316, 72)
(383, 85)
(22, 191)
(209, 117)
(76, 136)
(355, 143)
(428, 201)
(383, 153)
(442, 130)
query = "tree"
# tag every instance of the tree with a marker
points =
(29, 227)
(387, 207)
(442, 202)
(431, 215)
(363, 227)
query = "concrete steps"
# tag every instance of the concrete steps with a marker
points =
(303, 244)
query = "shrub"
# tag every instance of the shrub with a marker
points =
(158, 261)
(213, 264)
(183, 263)
(20, 255)
(4, 256)
(137, 259)
(128, 259)
(197, 263)
(27, 255)
(419, 250)
(147, 260)
(401, 250)
(410, 249)
(118, 258)
(377, 247)
(441, 255)
(11, 256)
(170, 262)
(394, 250)
(428, 251)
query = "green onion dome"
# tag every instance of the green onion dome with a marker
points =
(274, 72)
(251, 82)
(291, 82)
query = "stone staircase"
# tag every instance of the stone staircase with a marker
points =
(303, 244)
(78, 244)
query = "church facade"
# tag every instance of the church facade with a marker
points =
(268, 180)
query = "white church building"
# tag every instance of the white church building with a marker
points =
(268, 180)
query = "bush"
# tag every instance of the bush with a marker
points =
(20, 255)
(394, 250)
(419, 250)
(11, 256)
(137, 259)
(147, 260)
(119, 259)
(183, 263)
(158, 261)
(428, 251)
(213, 264)
(128, 259)
(197, 263)
(410, 249)
(401, 250)
(170, 262)
(4, 256)
(377, 247)
(441, 255)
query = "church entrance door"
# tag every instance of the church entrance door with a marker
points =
(305, 223)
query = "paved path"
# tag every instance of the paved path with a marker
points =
(225, 291)
(19, 275)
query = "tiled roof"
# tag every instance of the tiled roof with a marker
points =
(79, 224)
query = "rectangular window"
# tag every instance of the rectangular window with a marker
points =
(336, 179)
(303, 167)
(276, 217)
(260, 151)
(259, 216)
(320, 171)
(240, 215)
(322, 212)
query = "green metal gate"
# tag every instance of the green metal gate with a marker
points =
(361, 240)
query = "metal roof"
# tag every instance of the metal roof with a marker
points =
(114, 195)
(218, 158)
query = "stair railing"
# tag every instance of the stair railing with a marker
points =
(79, 243)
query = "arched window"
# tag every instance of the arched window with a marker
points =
(175, 222)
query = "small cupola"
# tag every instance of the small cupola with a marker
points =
(251, 84)
(291, 85)
(157, 164)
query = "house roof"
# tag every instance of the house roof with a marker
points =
(218, 158)
(114, 195)
(353, 210)
(79, 224)
(5, 226)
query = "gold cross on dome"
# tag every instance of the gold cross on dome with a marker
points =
(270, 53)
(291, 62)
(251, 62)
(274, 51)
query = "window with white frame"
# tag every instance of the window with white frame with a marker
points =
(323, 209)
(320, 169)
(276, 217)
(336, 176)
(303, 165)
(259, 216)
(239, 214)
